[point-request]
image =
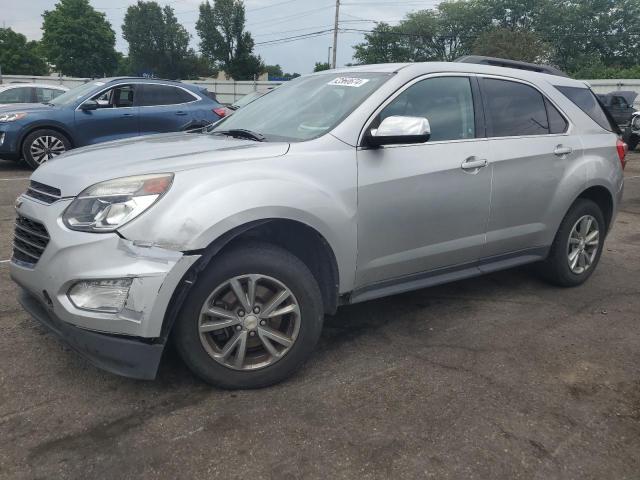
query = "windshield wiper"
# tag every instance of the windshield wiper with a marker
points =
(241, 133)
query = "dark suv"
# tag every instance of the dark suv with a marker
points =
(100, 111)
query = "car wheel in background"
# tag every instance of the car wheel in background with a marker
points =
(631, 139)
(42, 145)
(576, 250)
(252, 318)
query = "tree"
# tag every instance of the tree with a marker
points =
(78, 40)
(274, 71)
(520, 45)
(224, 41)
(384, 44)
(18, 56)
(158, 44)
(321, 66)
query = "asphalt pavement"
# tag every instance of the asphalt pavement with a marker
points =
(498, 377)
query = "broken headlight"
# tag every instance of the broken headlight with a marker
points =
(106, 206)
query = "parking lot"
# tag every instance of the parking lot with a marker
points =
(498, 377)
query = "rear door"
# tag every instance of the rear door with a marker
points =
(116, 118)
(532, 148)
(165, 108)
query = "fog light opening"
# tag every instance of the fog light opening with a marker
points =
(108, 296)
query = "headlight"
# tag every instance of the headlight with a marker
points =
(108, 205)
(12, 117)
(636, 122)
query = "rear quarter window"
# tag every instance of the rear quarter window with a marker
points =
(589, 104)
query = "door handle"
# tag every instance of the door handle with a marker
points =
(562, 151)
(474, 164)
(181, 113)
(127, 114)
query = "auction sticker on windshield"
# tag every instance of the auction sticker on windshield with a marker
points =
(348, 81)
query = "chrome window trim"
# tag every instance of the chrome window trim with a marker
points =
(569, 131)
(195, 95)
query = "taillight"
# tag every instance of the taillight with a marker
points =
(220, 111)
(622, 152)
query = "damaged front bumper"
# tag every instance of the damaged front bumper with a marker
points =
(72, 256)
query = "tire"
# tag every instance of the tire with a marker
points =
(273, 270)
(557, 269)
(51, 142)
(632, 141)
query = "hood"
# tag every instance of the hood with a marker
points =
(24, 107)
(78, 169)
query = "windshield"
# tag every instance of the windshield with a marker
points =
(304, 108)
(75, 93)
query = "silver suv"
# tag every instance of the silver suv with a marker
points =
(336, 188)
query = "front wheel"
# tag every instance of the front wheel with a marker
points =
(252, 319)
(576, 250)
(43, 145)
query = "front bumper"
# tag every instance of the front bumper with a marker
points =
(10, 140)
(72, 256)
(120, 355)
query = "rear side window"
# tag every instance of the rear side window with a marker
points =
(557, 123)
(164, 95)
(16, 95)
(586, 100)
(47, 94)
(514, 109)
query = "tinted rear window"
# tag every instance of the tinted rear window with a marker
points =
(588, 103)
(164, 95)
(514, 109)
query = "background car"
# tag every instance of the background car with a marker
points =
(632, 132)
(103, 110)
(245, 100)
(29, 93)
(620, 105)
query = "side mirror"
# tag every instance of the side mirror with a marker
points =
(397, 130)
(89, 105)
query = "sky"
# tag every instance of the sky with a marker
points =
(271, 22)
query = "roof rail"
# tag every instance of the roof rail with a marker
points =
(503, 62)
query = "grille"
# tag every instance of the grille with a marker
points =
(43, 192)
(30, 240)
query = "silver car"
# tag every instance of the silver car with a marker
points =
(336, 188)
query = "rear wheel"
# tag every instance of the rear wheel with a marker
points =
(576, 250)
(632, 140)
(252, 318)
(42, 145)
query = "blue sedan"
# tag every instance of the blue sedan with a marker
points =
(100, 111)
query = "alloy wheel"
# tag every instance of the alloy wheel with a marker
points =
(45, 148)
(583, 244)
(249, 322)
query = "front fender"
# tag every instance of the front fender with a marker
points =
(198, 210)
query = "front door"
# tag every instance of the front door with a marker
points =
(116, 118)
(421, 207)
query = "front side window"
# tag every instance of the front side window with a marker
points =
(153, 95)
(514, 109)
(16, 95)
(305, 108)
(116, 97)
(447, 102)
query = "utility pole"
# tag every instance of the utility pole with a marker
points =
(329, 57)
(335, 34)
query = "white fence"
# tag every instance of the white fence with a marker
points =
(227, 91)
